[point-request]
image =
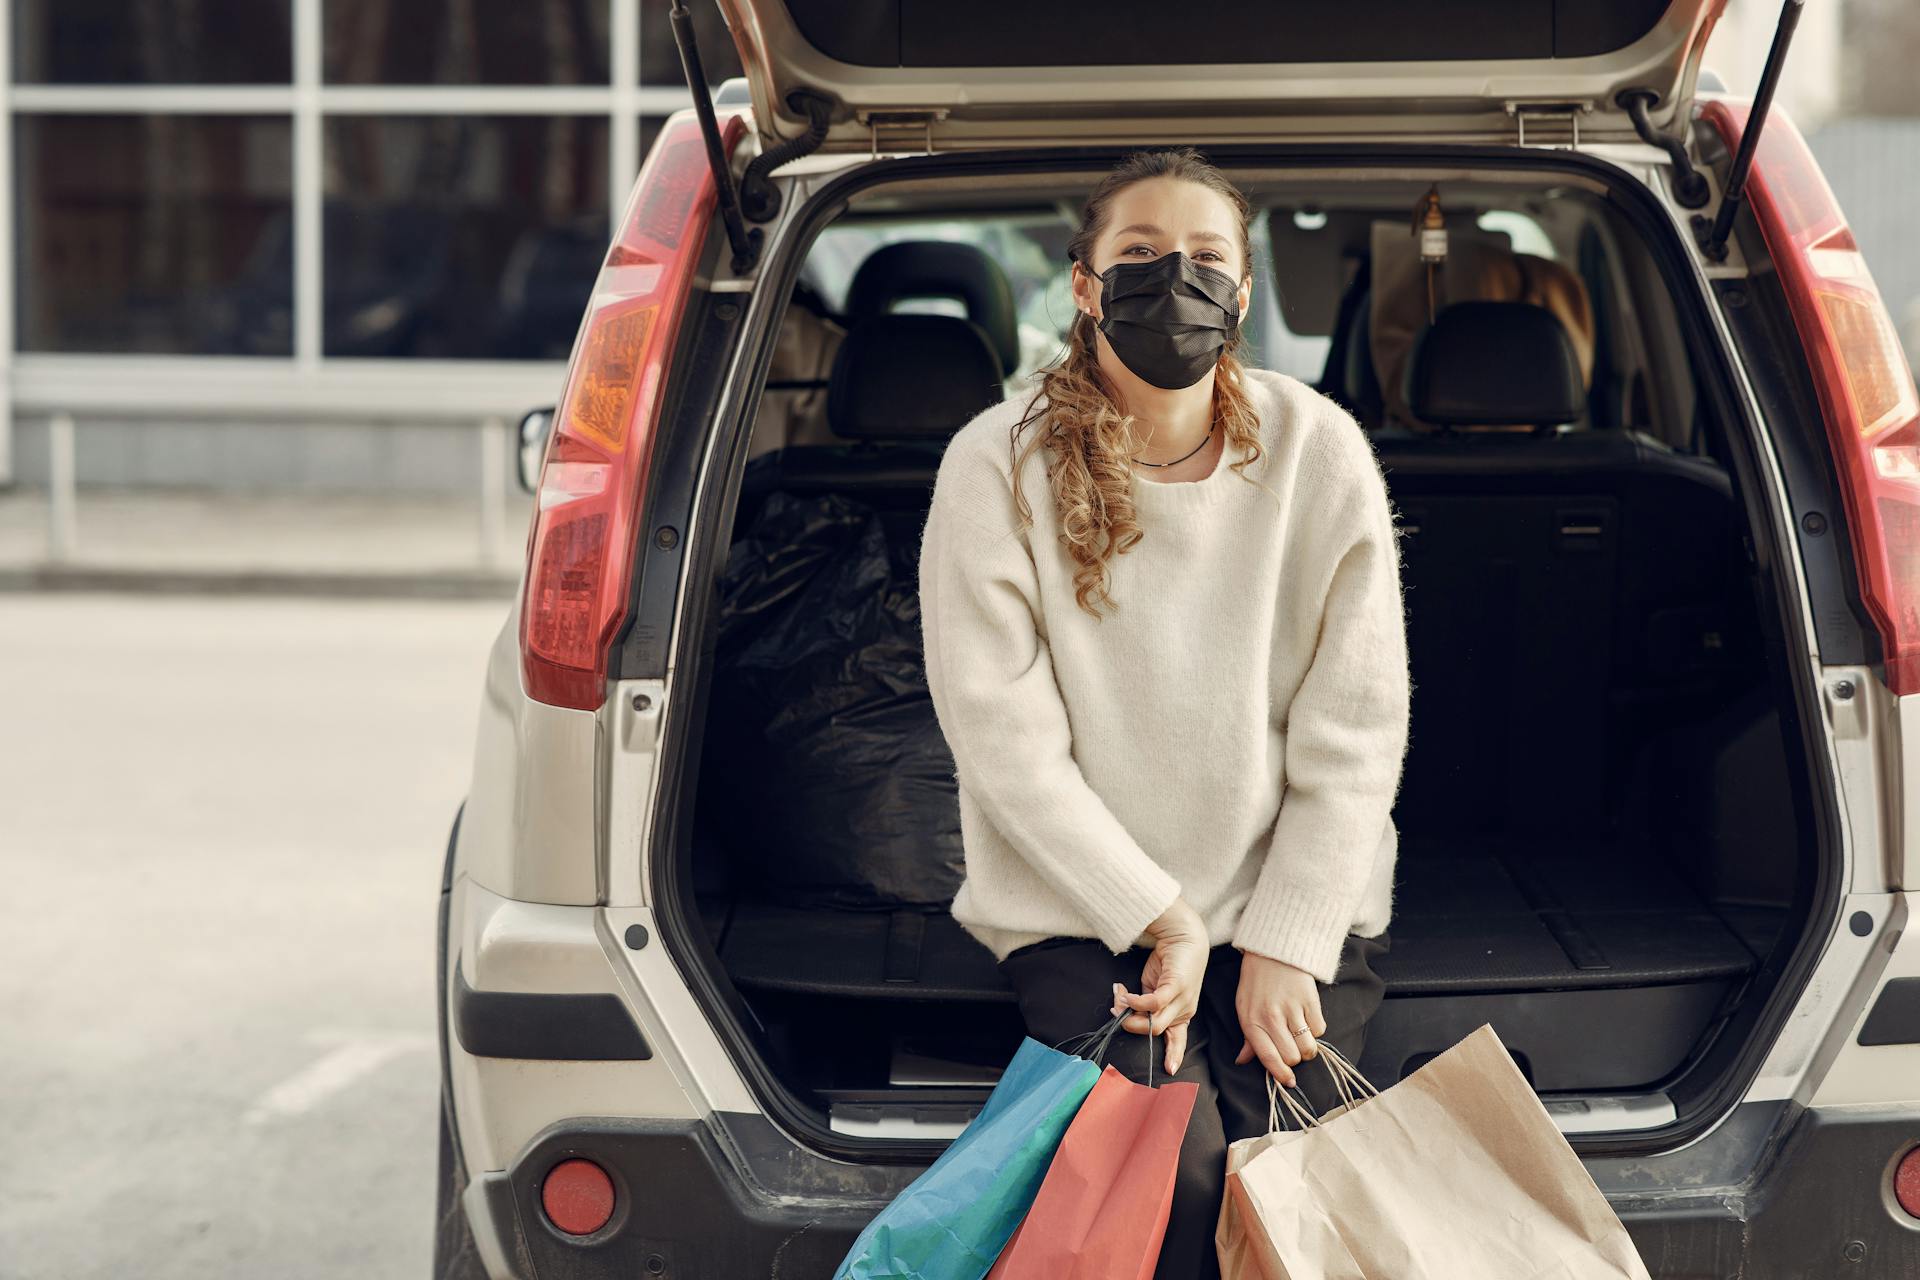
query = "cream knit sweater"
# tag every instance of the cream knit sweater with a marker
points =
(1232, 731)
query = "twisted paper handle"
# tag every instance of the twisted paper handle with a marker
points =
(1353, 1088)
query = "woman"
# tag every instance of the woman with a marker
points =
(1171, 664)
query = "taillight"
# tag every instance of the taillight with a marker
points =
(1866, 389)
(593, 483)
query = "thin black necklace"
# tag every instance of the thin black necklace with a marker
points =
(1183, 457)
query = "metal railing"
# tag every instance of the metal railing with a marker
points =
(484, 398)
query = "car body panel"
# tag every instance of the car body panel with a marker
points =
(1148, 100)
(532, 818)
(1881, 1074)
(1904, 754)
(501, 945)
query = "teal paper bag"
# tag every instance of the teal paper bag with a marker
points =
(953, 1220)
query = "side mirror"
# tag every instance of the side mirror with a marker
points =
(535, 427)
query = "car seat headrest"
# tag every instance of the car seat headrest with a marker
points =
(898, 377)
(1495, 364)
(939, 269)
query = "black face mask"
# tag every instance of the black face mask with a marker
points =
(1169, 319)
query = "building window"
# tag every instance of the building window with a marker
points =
(152, 41)
(466, 42)
(153, 233)
(462, 237)
(327, 180)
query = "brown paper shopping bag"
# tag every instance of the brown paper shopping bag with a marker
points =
(1455, 1173)
(1244, 1254)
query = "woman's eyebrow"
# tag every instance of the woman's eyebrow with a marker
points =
(1149, 229)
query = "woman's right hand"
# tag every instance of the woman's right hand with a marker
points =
(1170, 983)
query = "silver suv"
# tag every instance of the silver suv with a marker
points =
(703, 1010)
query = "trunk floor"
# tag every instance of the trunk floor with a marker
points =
(1471, 915)
(1499, 914)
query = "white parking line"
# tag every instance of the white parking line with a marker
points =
(356, 1054)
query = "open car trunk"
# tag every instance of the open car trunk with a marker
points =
(1605, 846)
(1004, 71)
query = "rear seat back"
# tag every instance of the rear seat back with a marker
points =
(901, 386)
(1551, 577)
(909, 269)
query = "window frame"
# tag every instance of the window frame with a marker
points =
(308, 383)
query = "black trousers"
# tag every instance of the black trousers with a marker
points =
(1065, 988)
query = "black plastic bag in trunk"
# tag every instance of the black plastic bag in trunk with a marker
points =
(825, 766)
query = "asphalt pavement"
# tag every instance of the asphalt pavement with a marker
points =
(221, 826)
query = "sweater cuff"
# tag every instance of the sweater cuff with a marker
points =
(1123, 902)
(1307, 931)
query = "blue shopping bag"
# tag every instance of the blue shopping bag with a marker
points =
(953, 1220)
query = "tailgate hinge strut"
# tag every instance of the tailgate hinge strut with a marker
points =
(1713, 235)
(745, 242)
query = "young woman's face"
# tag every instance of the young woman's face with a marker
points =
(1156, 217)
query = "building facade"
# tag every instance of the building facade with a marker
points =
(309, 243)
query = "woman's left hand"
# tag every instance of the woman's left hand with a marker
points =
(1274, 1002)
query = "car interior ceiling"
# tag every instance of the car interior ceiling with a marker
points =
(1597, 824)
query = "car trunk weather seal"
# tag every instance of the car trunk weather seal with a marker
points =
(710, 500)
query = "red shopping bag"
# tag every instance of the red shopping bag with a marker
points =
(1102, 1210)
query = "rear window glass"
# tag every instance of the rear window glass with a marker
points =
(1031, 247)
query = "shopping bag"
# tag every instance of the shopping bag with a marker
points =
(1244, 1254)
(1102, 1210)
(1455, 1173)
(952, 1221)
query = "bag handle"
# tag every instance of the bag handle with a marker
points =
(1353, 1088)
(1346, 1075)
(1094, 1044)
(1278, 1093)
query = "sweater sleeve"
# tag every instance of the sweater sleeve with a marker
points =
(1346, 739)
(990, 673)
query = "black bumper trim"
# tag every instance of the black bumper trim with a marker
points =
(552, 1028)
(1895, 1018)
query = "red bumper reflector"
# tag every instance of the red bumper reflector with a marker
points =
(578, 1197)
(1906, 1182)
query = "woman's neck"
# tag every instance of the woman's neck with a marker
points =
(1169, 424)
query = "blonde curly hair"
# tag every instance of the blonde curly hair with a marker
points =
(1088, 439)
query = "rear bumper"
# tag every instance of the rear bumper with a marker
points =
(685, 1208)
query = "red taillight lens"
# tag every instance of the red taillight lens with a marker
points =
(1866, 389)
(593, 485)
(578, 1197)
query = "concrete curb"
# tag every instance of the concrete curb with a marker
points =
(450, 584)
